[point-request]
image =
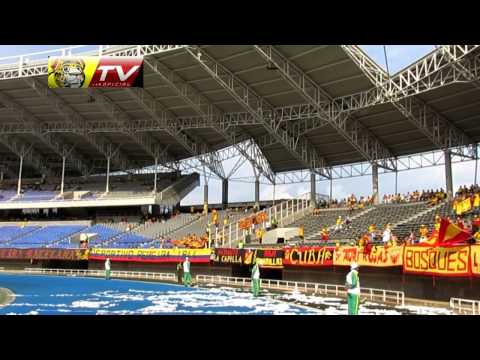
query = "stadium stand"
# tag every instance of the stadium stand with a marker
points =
(12, 232)
(44, 237)
(326, 218)
(163, 228)
(403, 229)
(103, 234)
(380, 216)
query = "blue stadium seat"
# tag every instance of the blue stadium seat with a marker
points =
(45, 236)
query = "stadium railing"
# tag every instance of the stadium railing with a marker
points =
(465, 306)
(285, 212)
(101, 273)
(384, 296)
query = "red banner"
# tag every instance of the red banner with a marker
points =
(309, 256)
(229, 256)
(44, 254)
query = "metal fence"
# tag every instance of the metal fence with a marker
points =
(377, 295)
(285, 212)
(101, 273)
(465, 306)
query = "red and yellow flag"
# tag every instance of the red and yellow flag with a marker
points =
(450, 233)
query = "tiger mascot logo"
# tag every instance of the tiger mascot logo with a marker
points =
(69, 73)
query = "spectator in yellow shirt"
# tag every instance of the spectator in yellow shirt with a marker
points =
(339, 223)
(437, 223)
(476, 200)
(372, 230)
(301, 233)
(423, 233)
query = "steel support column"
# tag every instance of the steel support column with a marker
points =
(331, 189)
(205, 198)
(476, 165)
(19, 187)
(63, 175)
(155, 176)
(274, 184)
(396, 182)
(313, 190)
(257, 193)
(375, 183)
(448, 174)
(225, 193)
(107, 188)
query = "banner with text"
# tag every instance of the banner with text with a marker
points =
(152, 255)
(443, 261)
(44, 254)
(475, 259)
(309, 256)
(378, 256)
(268, 258)
(229, 256)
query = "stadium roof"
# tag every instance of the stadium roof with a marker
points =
(299, 106)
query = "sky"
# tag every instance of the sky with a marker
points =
(399, 56)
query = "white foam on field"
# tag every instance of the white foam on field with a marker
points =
(425, 310)
(90, 304)
(338, 306)
(198, 301)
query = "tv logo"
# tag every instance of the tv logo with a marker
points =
(121, 75)
(97, 72)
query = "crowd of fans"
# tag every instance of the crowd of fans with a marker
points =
(191, 241)
(432, 196)
(352, 202)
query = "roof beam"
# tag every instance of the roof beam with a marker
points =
(30, 156)
(466, 71)
(167, 121)
(203, 107)
(444, 66)
(120, 117)
(103, 146)
(354, 132)
(436, 127)
(54, 143)
(298, 146)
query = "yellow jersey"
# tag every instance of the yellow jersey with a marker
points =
(476, 200)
